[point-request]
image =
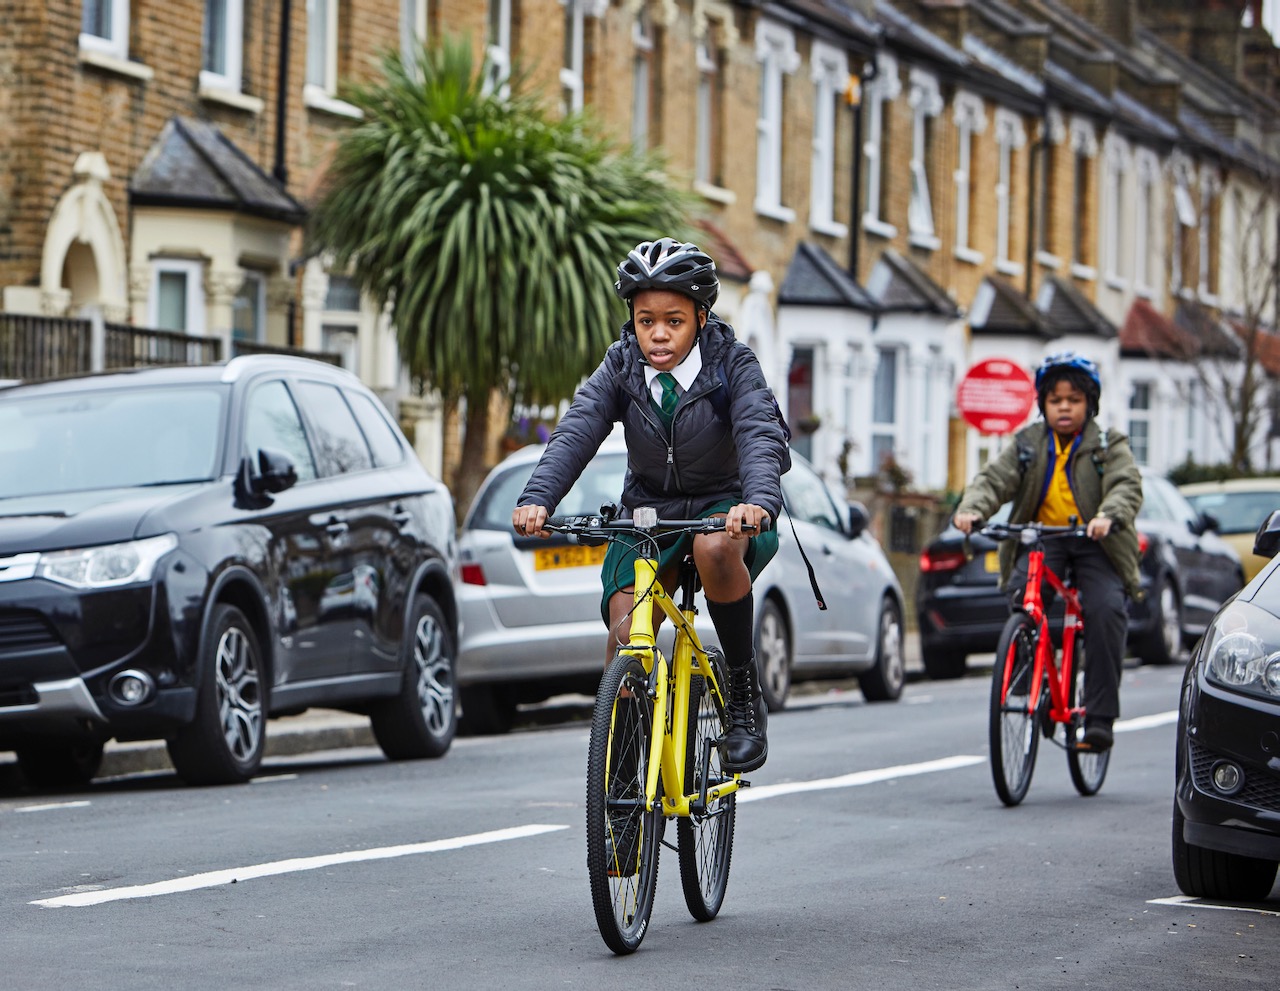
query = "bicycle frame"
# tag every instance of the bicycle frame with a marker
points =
(1033, 605)
(669, 686)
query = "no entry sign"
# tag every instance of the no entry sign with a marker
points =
(995, 396)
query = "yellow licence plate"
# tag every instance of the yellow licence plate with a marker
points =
(991, 561)
(568, 557)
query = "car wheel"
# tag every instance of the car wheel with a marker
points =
(1231, 877)
(773, 655)
(421, 721)
(883, 683)
(943, 663)
(486, 710)
(224, 743)
(1164, 644)
(60, 765)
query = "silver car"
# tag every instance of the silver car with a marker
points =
(530, 608)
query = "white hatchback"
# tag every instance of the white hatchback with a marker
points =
(530, 608)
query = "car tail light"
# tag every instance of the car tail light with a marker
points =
(942, 560)
(471, 574)
(1143, 543)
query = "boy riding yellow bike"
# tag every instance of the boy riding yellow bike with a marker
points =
(1063, 467)
(704, 438)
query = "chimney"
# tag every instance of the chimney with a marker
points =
(1207, 31)
(1114, 17)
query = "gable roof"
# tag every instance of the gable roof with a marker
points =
(729, 261)
(999, 308)
(898, 284)
(1148, 333)
(193, 164)
(814, 279)
(1068, 311)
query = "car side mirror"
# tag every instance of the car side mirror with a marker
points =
(858, 519)
(1210, 522)
(1267, 541)
(276, 471)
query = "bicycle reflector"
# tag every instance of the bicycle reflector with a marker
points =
(645, 518)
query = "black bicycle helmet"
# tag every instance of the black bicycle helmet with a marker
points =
(1076, 368)
(669, 264)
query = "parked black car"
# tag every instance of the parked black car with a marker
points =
(1187, 571)
(185, 552)
(1226, 810)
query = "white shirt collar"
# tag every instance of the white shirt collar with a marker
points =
(685, 372)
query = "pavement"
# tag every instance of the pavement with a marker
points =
(329, 729)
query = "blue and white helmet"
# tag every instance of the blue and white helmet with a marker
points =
(1076, 368)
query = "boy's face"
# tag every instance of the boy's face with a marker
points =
(667, 324)
(1066, 408)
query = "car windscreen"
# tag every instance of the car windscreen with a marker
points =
(1237, 512)
(599, 483)
(110, 439)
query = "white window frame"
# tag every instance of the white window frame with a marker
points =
(642, 42)
(1117, 160)
(1084, 144)
(327, 84)
(1210, 188)
(341, 321)
(229, 79)
(498, 48)
(116, 44)
(1141, 414)
(829, 70)
(572, 83)
(413, 31)
(1185, 218)
(1146, 172)
(704, 141)
(776, 53)
(1010, 136)
(886, 87)
(925, 101)
(193, 271)
(891, 429)
(252, 276)
(970, 118)
(1053, 133)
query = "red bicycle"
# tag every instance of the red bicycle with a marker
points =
(1032, 694)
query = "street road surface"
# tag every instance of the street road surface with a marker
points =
(871, 852)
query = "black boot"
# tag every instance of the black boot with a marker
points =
(745, 744)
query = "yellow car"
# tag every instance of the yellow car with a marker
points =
(1239, 505)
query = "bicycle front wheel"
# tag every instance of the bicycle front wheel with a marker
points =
(623, 839)
(706, 837)
(1088, 767)
(1013, 729)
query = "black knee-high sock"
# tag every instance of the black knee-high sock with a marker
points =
(734, 623)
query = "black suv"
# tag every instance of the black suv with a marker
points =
(187, 551)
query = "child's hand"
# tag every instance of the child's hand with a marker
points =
(964, 521)
(1098, 527)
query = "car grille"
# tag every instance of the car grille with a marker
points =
(21, 631)
(1261, 787)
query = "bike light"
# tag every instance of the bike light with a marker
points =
(1143, 543)
(645, 518)
(1227, 777)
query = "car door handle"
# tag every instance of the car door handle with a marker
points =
(336, 527)
(402, 518)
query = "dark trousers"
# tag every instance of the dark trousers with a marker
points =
(1106, 614)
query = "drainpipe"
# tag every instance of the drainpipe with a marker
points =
(866, 74)
(281, 169)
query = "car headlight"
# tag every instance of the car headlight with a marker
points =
(108, 565)
(1243, 651)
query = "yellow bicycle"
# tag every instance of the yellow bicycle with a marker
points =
(654, 751)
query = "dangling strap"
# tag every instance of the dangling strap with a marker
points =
(813, 579)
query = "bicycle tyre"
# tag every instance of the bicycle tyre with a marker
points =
(706, 840)
(617, 760)
(1088, 768)
(1014, 727)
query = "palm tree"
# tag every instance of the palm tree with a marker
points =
(491, 228)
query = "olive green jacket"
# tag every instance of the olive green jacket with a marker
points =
(1104, 479)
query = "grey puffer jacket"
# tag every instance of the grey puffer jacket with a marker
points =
(726, 439)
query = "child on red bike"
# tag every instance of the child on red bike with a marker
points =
(1062, 467)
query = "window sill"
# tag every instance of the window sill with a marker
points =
(926, 241)
(714, 193)
(116, 65)
(1083, 271)
(230, 98)
(1117, 283)
(970, 256)
(1146, 292)
(1006, 267)
(828, 227)
(1048, 260)
(1210, 298)
(876, 226)
(775, 211)
(316, 98)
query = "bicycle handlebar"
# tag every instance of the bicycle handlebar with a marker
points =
(593, 525)
(1029, 533)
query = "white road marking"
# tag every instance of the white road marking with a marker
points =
(857, 778)
(52, 805)
(1184, 901)
(235, 874)
(1146, 722)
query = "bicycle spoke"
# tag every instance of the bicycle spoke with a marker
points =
(1014, 736)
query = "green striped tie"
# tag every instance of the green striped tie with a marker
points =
(670, 394)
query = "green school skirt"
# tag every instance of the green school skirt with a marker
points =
(619, 571)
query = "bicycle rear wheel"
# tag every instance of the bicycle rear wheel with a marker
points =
(1013, 730)
(1088, 768)
(623, 839)
(706, 838)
